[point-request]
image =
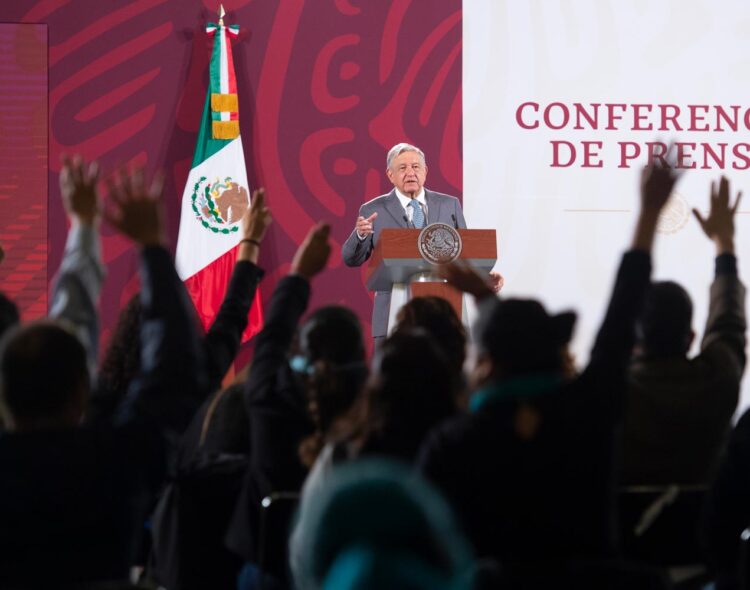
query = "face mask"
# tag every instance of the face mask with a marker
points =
(300, 364)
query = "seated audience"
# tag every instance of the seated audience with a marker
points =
(79, 494)
(530, 470)
(678, 410)
(375, 524)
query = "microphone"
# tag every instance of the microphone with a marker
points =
(455, 223)
(406, 219)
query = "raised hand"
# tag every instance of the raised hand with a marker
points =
(657, 182)
(257, 218)
(364, 225)
(312, 255)
(497, 281)
(135, 209)
(464, 278)
(719, 225)
(78, 189)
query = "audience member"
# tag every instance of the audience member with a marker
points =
(277, 395)
(79, 494)
(79, 280)
(331, 360)
(530, 470)
(194, 509)
(678, 410)
(438, 318)
(375, 524)
(411, 389)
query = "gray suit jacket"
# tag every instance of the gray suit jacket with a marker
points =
(440, 208)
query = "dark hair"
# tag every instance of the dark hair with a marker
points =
(438, 318)
(122, 360)
(225, 427)
(664, 327)
(9, 316)
(522, 338)
(331, 343)
(42, 369)
(411, 389)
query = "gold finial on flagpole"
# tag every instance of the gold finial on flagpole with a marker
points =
(221, 15)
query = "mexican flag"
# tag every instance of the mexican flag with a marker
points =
(217, 193)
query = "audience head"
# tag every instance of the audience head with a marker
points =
(411, 388)
(517, 337)
(332, 361)
(438, 318)
(664, 327)
(376, 524)
(44, 379)
(9, 316)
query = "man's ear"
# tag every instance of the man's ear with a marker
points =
(389, 174)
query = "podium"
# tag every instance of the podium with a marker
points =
(397, 260)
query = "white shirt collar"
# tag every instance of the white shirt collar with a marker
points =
(404, 200)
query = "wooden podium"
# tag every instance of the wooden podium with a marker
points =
(396, 259)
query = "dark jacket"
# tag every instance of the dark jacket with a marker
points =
(727, 511)
(76, 499)
(279, 420)
(190, 520)
(678, 411)
(530, 471)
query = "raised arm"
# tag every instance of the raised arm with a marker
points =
(616, 337)
(726, 325)
(79, 280)
(171, 381)
(288, 303)
(224, 336)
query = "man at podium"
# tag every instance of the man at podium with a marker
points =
(408, 205)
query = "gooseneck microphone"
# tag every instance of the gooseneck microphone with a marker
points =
(455, 223)
(408, 223)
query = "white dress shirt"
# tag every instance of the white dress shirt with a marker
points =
(404, 200)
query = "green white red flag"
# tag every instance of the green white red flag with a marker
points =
(217, 192)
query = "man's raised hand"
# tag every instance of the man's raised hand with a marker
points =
(78, 189)
(312, 255)
(719, 225)
(135, 210)
(364, 225)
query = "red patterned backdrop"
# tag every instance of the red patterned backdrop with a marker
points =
(326, 87)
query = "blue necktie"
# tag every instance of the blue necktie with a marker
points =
(417, 217)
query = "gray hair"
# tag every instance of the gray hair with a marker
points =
(399, 149)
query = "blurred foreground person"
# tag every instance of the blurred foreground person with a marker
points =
(376, 525)
(75, 497)
(530, 471)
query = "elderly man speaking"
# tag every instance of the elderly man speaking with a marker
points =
(408, 205)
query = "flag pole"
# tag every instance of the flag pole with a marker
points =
(222, 14)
